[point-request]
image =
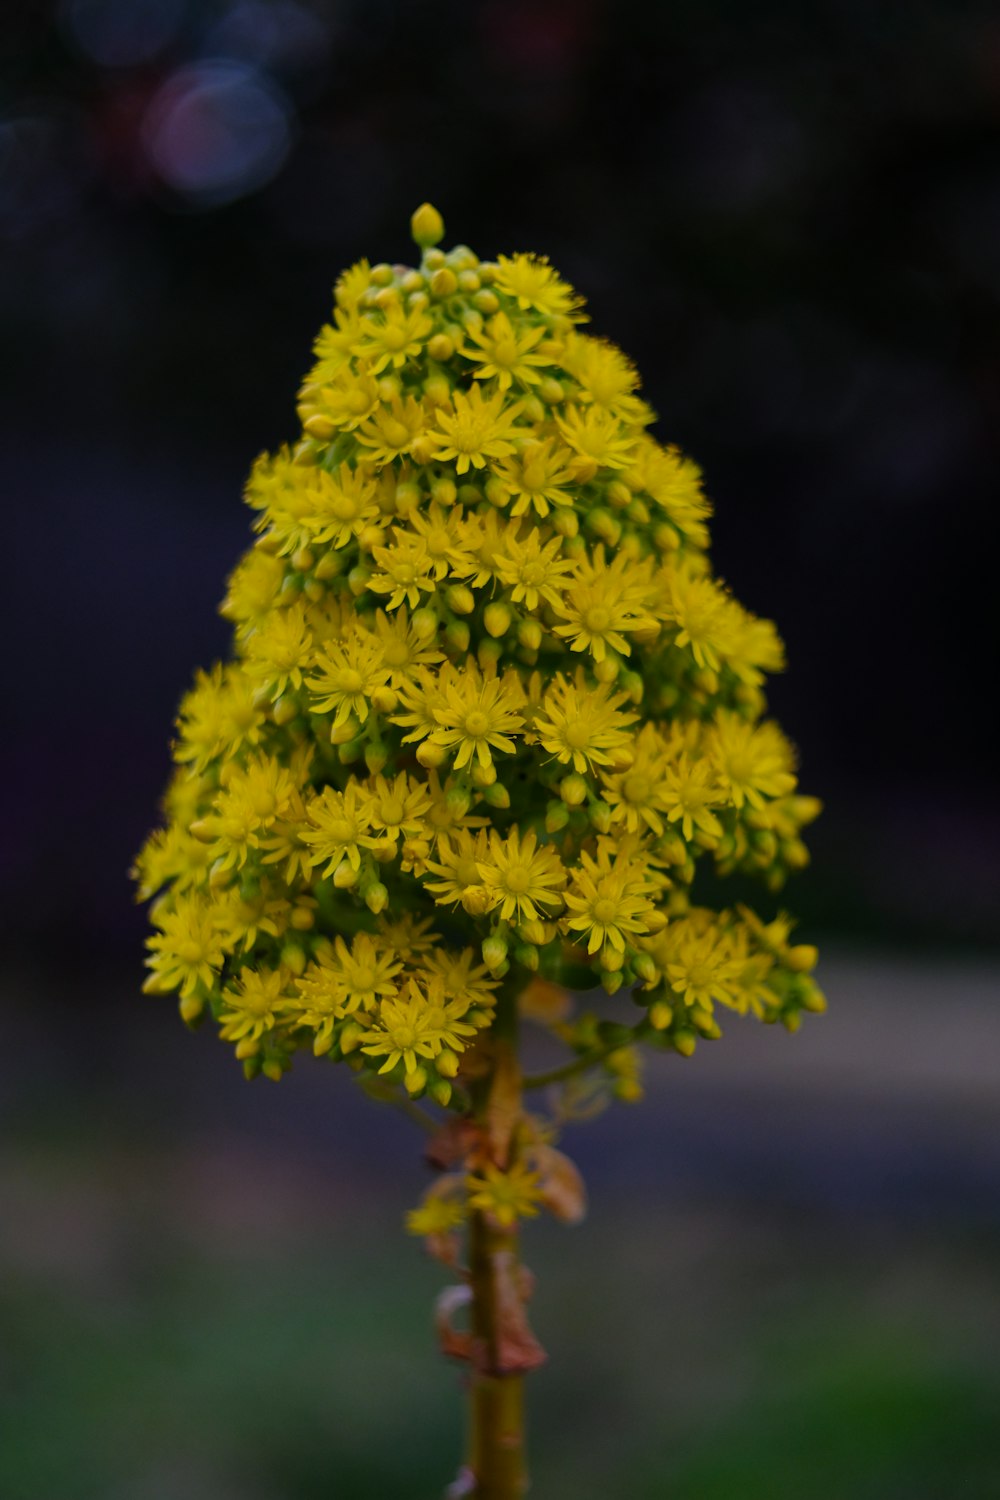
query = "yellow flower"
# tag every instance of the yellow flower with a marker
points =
(408, 935)
(394, 337)
(605, 377)
(531, 569)
(490, 714)
(280, 651)
(465, 982)
(597, 437)
(475, 429)
(339, 828)
(689, 791)
(406, 1029)
(701, 967)
(347, 673)
(257, 1001)
(405, 570)
(345, 505)
(634, 794)
(436, 1215)
(505, 1196)
(531, 281)
(538, 476)
(218, 716)
(188, 949)
(522, 877)
(457, 865)
(581, 724)
(345, 979)
(336, 400)
(596, 613)
(477, 716)
(334, 341)
(440, 532)
(752, 762)
(674, 483)
(403, 650)
(507, 353)
(702, 615)
(254, 585)
(396, 807)
(394, 431)
(608, 899)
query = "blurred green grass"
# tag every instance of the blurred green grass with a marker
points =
(160, 1341)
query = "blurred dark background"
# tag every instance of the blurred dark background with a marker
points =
(790, 217)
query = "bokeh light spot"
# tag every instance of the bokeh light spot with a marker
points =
(218, 131)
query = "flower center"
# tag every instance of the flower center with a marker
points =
(577, 733)
(476, 723)
(597, 617)
(518, 879)
(605, 910)
(637, 787)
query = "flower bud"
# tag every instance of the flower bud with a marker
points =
(345, 875)
(414, 1083)
(494, 952)
(384, 699)
(351, 1037)
(645, 968)
(458, 635)
(430, 755)
(376, 897)
(497, 795)
(440, 1091)
(444, 491)
(527, 956)
(685, 1041)
(446, 1063)
(427, 226)
(600, 816)
(802, 958)
(573, 790)
(342, 734)
(529, 633)
(293, 958)
(444, 283)
(460, 598)
(565, 522)
(483, 776)
(329, 565)
(489, 653)
(441, 348)
(424, 622)
(556, 817)
(191, 1007)
(476, 900)
(497, 618)
(247, 1046)
(660, 1015)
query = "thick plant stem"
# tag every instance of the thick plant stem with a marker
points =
(496, 1401)
(496, 1458)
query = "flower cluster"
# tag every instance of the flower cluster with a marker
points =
(488, 713)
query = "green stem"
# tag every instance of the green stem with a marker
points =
(570, 1069)
(496, 1402)
(496, 1458)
